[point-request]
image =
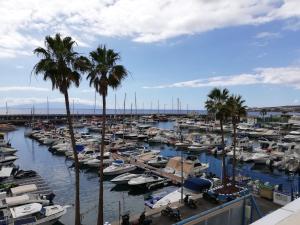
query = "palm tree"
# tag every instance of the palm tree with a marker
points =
(263, 113)
(236, 109)
(216, 104)
(61, 65)
(104, 73)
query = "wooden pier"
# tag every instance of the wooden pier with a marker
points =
(140, 164)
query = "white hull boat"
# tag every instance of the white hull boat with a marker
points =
(7, 151)
(33, 214)
(124, 178)
(6, 160)
(118, 167)
(158, 161)
(144, 179)
(192, 186)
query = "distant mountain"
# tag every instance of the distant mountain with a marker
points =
(286, 108)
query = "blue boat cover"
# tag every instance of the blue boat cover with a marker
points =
(79, 148)
(197, 184)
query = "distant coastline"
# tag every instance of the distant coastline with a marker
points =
(255, 111)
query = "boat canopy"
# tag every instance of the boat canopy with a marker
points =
(23, 189)
(25, 210)
(119, 161)
(79, 148)
(197, 184)
(5, 172)
(17, 200)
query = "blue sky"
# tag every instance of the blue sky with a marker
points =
(173, 49)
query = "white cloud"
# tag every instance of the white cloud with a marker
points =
(22, 88)
(25, 23)
(19, 67)
(289, 76)
(267, 35)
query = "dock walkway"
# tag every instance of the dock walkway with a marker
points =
(203, 205)
(158, 171)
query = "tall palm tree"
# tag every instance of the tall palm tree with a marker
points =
(104, 73)
(236, 109)
(60, 64)
(216, 104)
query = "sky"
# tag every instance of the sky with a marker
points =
(172, 49)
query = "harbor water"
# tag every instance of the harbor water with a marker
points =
(59, 174)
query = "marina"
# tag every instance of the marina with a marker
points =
(37, 148)
(136, 112)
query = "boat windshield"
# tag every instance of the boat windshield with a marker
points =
(43, 211)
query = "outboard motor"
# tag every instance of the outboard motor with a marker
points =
(125, 219)
(50, 197)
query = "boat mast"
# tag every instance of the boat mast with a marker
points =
(181, 139)
(172, 105)
(95, 98)
(177, 105)
(47, 108)
(6, 108)
(115, 105)
(33, 114)
(135, 104)
(124, 116)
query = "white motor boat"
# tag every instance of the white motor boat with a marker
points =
(6, 160)
(22, 199)
(158, 161)
(198, 147)
(3, 142)
(95, 162)
(258, 158)
(124, 178)
(146, 178)
(266, 146)
(118, 167)
(33, 214)
(191, 166)
(192, 186)
(7, 150)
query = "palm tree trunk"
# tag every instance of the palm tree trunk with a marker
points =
(100, 203)
(77, 181)
(234, 153)
(223, 154)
